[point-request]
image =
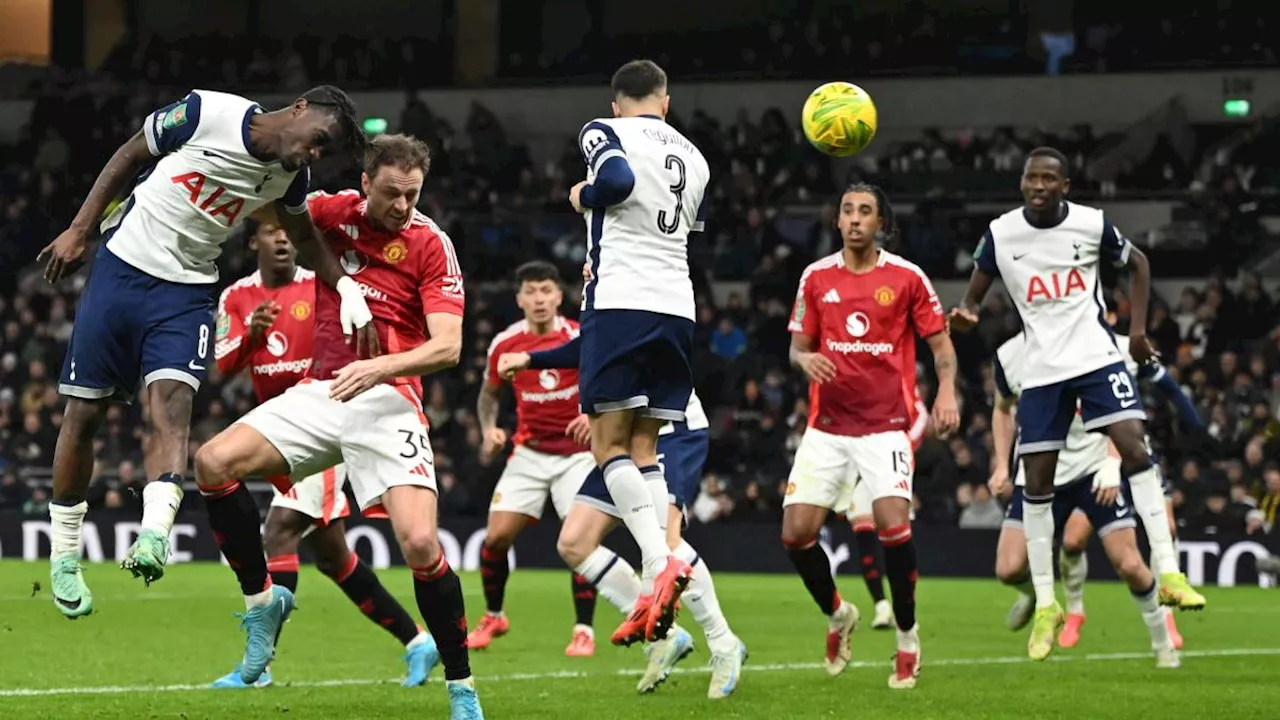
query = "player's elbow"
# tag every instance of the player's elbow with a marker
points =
(452, 352)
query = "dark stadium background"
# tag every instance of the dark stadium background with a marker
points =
(1179, 149)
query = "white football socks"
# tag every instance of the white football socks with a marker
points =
(1148, 500)
(613, 577)
(1075, 568)
(635, 503)
(160, 503)
(66, 523)
(1153, 616)
(1037, 523)
(261, 599)
(701, 600)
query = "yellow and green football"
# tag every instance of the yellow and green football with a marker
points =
(839, 119)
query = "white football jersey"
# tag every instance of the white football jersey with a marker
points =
(638, 250)
(184, 207)
(1085, 451)
(1052, 276)
(695, 417)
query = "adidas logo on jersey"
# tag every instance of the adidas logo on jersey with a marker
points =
(831, 297)
(352, 231)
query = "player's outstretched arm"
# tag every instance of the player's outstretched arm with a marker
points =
(66, 251)
(946, 410)
(354, 312)
(985, 270)
(1186, 409)
(1140, 346)
(562, 357)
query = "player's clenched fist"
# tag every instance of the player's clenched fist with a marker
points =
(511, 363)
(493, 441)
(817, 367)
(575, 194)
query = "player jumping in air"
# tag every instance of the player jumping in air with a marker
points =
(1075, 536)
(642, 197)
(266, 323)
(551, 455)
(682, 450)
(366, 412)
(1048, 253)
(851, 335)
(1087, 485)
(145, 318)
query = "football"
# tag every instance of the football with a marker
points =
(839, 119)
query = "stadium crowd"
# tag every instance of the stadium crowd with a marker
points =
(1221, 340)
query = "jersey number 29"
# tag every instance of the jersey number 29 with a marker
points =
(670, 223)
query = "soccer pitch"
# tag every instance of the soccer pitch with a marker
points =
(148, 653)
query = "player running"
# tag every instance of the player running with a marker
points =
(1075, 537)
(867, 541)
(266, 323)
(642, 197)
(551, 455)
(1087, 484)
(367, 412)
(851, 334)
(1048, 253)
(682, 450)
(145, 318)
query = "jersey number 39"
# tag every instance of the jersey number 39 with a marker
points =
(669, 223)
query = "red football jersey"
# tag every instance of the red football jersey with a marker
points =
(280, 357)
(546, 400)
(863, 323)
(405, 275)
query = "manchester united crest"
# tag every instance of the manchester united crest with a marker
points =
(884, 295)
(301, 310)
(395, 251)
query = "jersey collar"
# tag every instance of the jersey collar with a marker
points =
(1062, 216)
(254, 109)
(653, 117)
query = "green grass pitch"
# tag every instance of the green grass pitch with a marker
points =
(147, 652)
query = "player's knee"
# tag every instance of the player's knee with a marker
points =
(1010, 571)
(1130, 565)
(499, 540)
(82, 418)
(573, 549)
(420, 546)
(279, 539)
(1074, 545)
(214, 465)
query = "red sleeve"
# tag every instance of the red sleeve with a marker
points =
(926, 309)
(327, 209)
(231, 346)
(491, 375)
(804, 316)
(440, 285)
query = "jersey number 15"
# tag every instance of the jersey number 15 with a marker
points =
(670, 223)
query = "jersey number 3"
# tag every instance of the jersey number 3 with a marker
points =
(670, 223)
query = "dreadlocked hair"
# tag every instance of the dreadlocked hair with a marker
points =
(337, 104)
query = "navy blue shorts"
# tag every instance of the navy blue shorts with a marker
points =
(1103, 397)
(131, 327)
(636, 359)
(1078, 497)
(681, 454)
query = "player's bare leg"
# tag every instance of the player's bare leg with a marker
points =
(800, 527)
(1075, 568)
(413, 511)
(240, 451)
(871, 564)
(72, 473)
(728, 652)
(1038, 524)
(1121, 546)
(579, 546)
(624, 443)
(169, 412)
(893, 518)
(1129, 437)
(1011, 569)
(499, 536)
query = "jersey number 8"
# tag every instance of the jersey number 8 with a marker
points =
(670, 223)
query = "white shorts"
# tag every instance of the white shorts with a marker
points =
(381, 435)
(530, 476)
(319, 497)
(860, 501)
(830, 469)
